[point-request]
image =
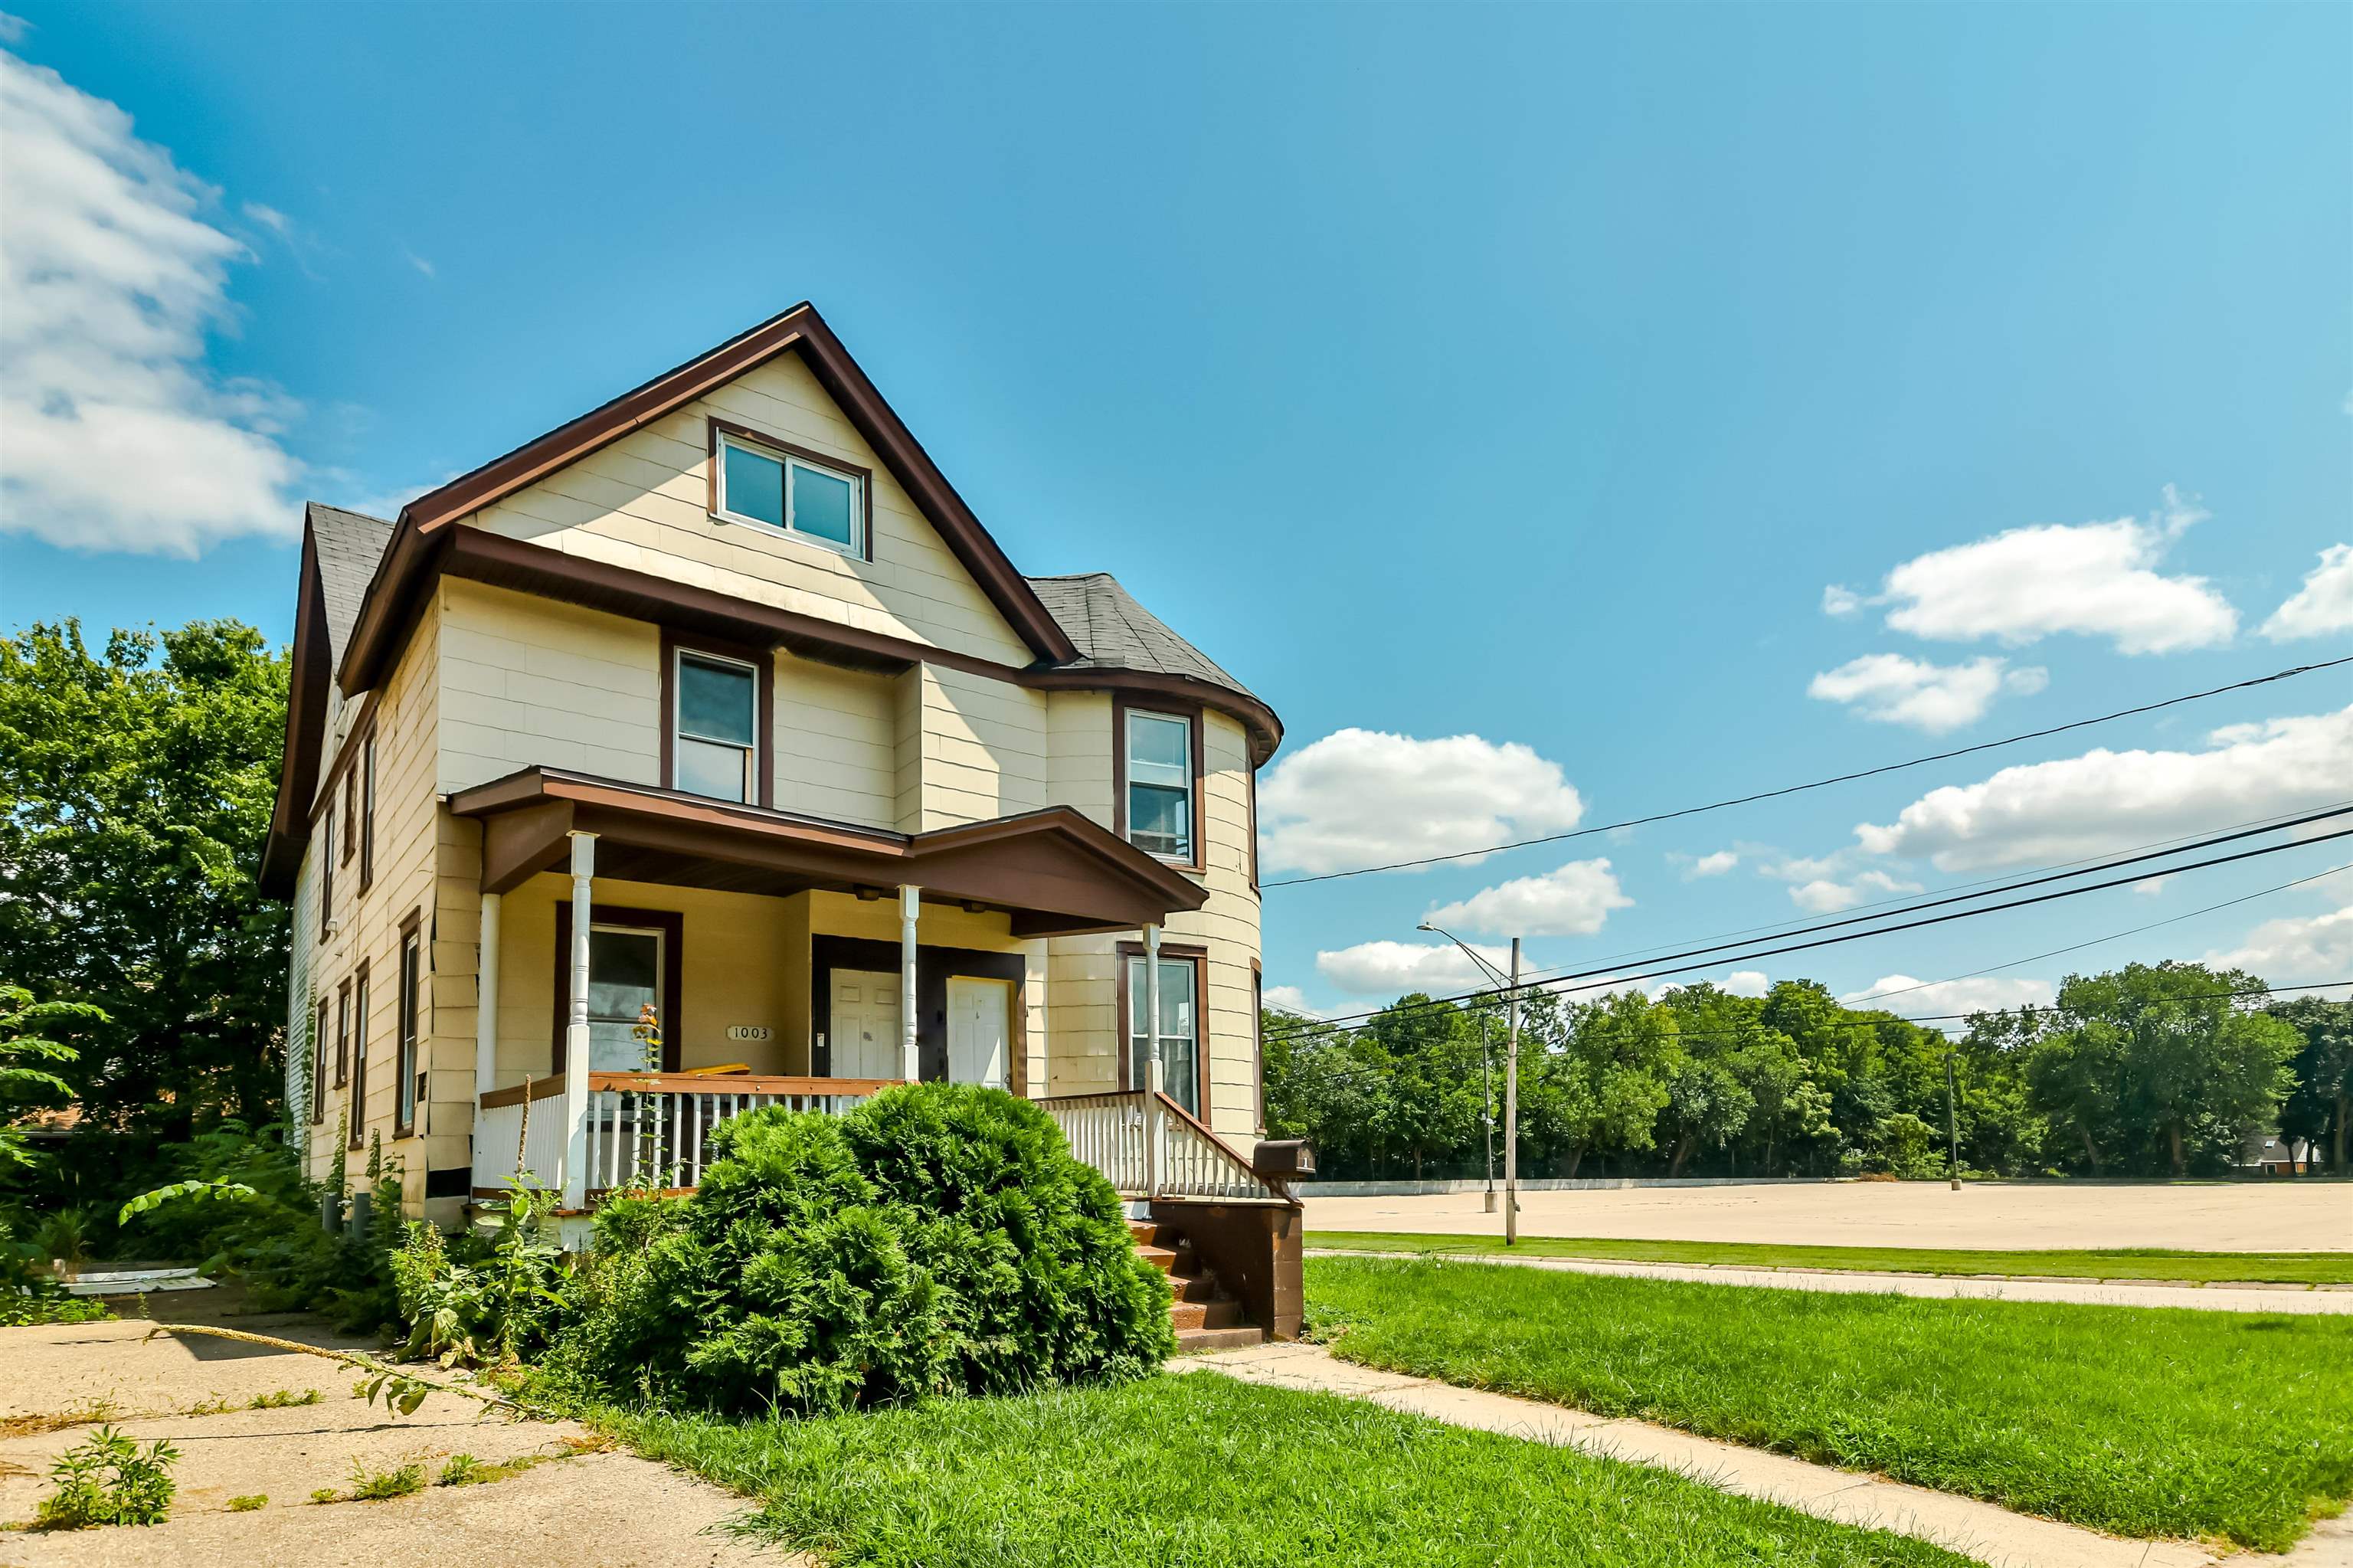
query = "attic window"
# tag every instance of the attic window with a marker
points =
(773, 488)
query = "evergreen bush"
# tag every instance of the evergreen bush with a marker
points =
(939, 1239)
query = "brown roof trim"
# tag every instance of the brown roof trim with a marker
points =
(1113, 885)
(480, 556)
(306, 729)
(798, 330)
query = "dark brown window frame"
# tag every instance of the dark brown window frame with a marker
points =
(672, 923)
(327, 872)
(359, 984)
(1258, 1045)
(343, 1032)
(1249, 774)
(1199, 957)
(764, 697)
(408, 1019)
(367, 772)
(350, 814)
(719, 428)
(1191, 714)
(321, 1012)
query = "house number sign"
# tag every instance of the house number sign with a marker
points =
(750, 1031)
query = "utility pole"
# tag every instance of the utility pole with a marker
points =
(1487, 1106)
(1511, 1083)
(1512, 1108)
(1952, 1122)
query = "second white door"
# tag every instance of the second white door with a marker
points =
(866, 1037)
(977, 1027)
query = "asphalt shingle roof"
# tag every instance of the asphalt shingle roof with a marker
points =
(350, 544)
(1112, 632)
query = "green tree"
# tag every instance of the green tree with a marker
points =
(137, 787)
(1707, 1105)
(1433, 1059)
(2321, 1104)
(1601, 1090)
(24, 1041)
(2158, 1064)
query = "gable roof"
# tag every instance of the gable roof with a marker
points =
(350, 547)
(799, 330)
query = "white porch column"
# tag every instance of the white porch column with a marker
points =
(486, 1002)
(575, 1031)
(911, 904)
(1151, 1073)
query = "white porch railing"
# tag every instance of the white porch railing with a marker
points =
(644, 1128)
(651, 1127)
(1151, 1147)
(521, 1128)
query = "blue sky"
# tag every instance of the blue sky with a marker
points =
(1481, 377)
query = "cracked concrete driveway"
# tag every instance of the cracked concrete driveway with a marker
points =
(580, 1503)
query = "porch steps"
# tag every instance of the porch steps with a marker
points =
(1204, 1316)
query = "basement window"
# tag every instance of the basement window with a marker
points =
(786, 492)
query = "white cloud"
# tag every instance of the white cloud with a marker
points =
(1840, 600)
(2096, 579)
(2105, 802)
(2301, 949)
(117, 438)
(1746, 983)
(1392, 969)
(419, 263)
(1979, 993)
(14, 28)
(1892, 689)
(1715, 864)
(1288, 998)
(268, 217)
(1824, 896)
(1361, 797)
(2323, 604)
(1571, 902)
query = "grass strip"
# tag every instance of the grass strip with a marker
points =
(2121, 1263)
(1203, 1470)
(2139, 1420)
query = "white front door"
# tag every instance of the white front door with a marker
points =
(866, 1037)
(978, 1030)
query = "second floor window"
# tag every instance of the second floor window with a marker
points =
(820, 504)
(1160, 784)
(717, 726)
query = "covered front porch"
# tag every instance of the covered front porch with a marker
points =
(652, 962)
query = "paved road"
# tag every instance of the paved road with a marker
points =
(2294, 1298)
(2239, 1216)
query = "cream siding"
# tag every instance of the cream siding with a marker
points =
(528, 681)
(642, 501)
(836, 743)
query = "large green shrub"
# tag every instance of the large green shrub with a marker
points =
(940, 1239)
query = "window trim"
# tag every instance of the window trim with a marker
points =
(1170, 952)
(322, 1010)
(408, 1088)
(1191, 715)
(351, 813)
(762, 662)
(761, 444)
(359, 983)
(327, 872)
(366, 772)
(343, 1032)
(670, 923)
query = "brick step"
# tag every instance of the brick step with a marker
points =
(1185, 1315)
(1147, 1233)
(1201, 1341)
(1163, 1258)
(1195, 1288)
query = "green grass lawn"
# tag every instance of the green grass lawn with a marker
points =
(2122, 1262)
(1203, 1470)
(2140, 1420)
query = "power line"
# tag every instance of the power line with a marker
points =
(1722, 957)
(1816, 784)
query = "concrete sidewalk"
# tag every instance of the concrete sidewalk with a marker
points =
(1992, 1535)
(584, 1505)
(2294, 1299)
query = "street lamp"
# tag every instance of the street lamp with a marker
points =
(1510, 1075)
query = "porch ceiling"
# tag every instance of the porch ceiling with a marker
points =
(1055, 872)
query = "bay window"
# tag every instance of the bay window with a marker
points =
(1156, 751)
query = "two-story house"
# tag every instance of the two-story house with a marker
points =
(708, 752)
